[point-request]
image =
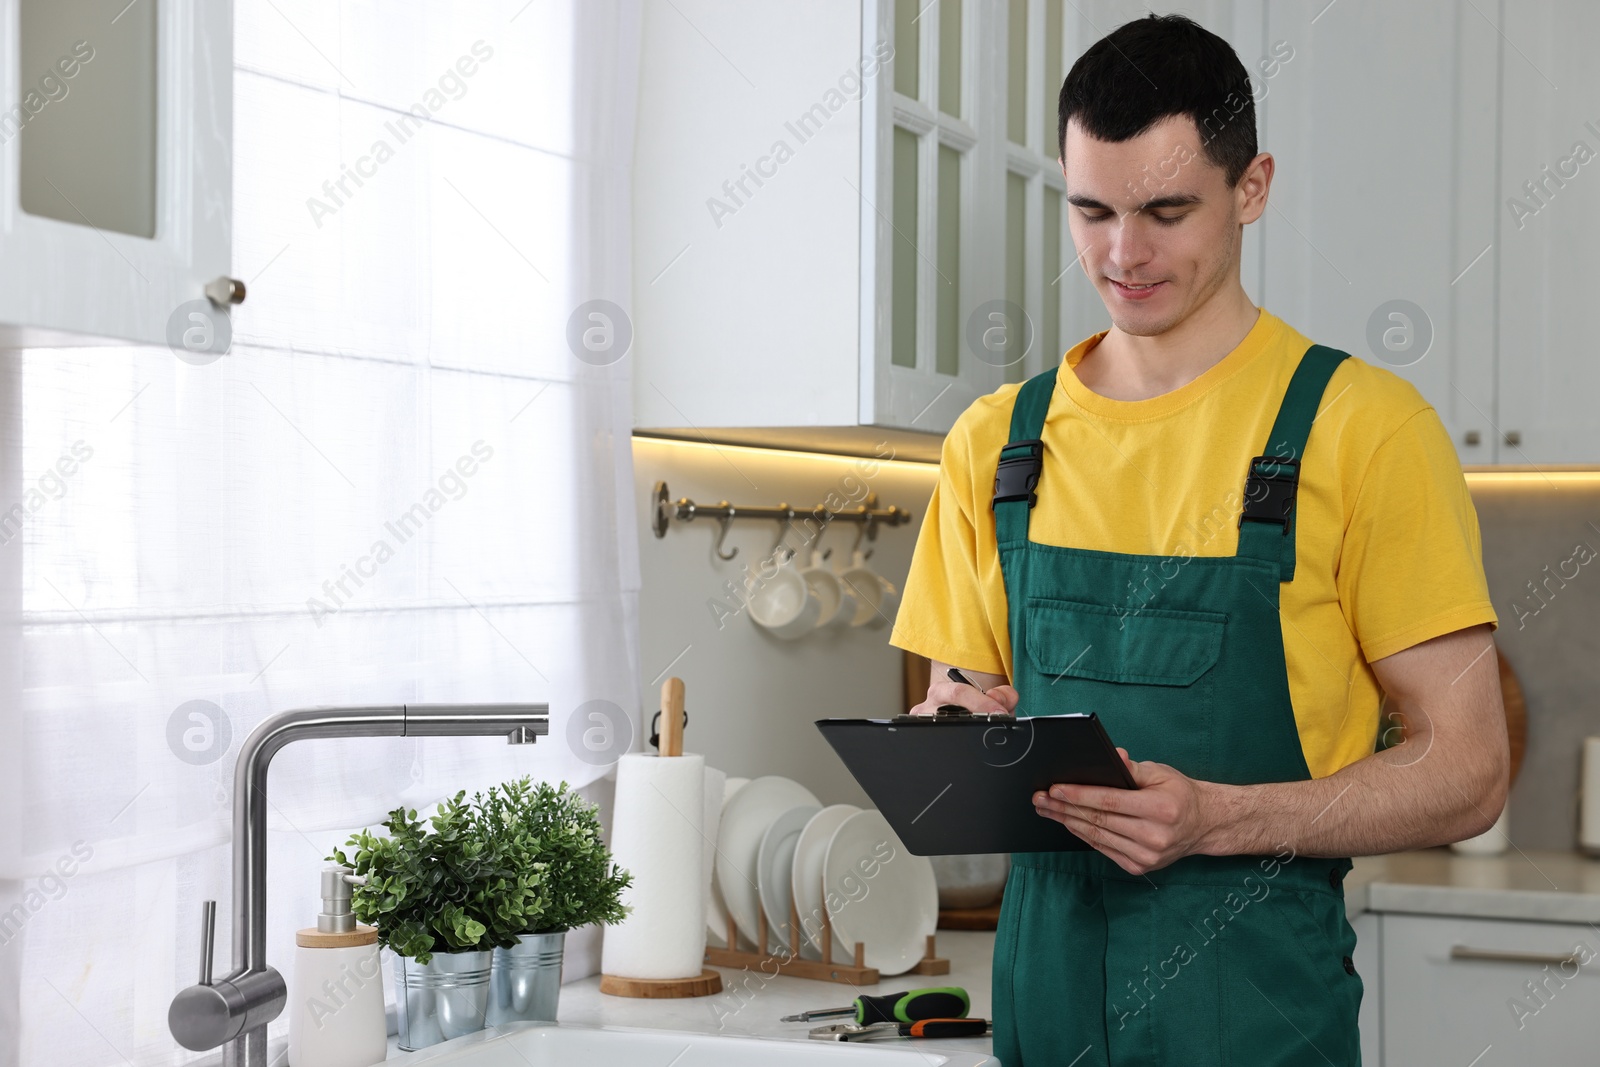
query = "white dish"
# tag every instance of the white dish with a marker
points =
(807, 879)
(716, 909)
(744, 822)
(888, 898)
(775, 872)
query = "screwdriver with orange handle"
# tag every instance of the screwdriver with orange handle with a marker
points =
(921, 1028)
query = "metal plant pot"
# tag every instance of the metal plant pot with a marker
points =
(444, 998)
(526, 979)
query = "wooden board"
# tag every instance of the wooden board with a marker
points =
(706, 984)
(986, 918)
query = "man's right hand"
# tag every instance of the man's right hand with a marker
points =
(988, 695)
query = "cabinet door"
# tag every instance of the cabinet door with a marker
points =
(1379, 235)
(116, 184)
(1549, 226)
(1477, 991)
(933, 157)
(1368, 960)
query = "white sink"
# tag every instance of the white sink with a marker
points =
(541, 1044)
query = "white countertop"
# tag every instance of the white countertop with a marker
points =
(752, 1001)
(1531, 886)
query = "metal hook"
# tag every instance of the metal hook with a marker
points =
(785, 523)
(722, 533)
(864, 531)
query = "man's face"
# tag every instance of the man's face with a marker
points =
(1155, 223)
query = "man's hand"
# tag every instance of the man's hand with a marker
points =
(1448, 781)
(987, 694)
(1142, 829)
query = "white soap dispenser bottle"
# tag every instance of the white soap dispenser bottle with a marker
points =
(336, 1016)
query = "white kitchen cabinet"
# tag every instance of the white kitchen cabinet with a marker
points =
(1368, 960)
(1379, 235)
(115, 191)
(1548, 226)
(820, 214)
(1486, 991)
(1434, 209)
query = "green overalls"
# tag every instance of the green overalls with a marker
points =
(1241, 960)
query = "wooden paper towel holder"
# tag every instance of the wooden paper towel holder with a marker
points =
(823, 970)
(707, 982)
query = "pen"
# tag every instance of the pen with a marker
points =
(956, 676)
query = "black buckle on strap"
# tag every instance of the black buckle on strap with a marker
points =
(1269, 494)
(1017, 476)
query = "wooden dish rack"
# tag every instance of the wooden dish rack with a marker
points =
(823, 970)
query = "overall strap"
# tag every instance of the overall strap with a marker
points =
(1022, 459)
(1267, 523)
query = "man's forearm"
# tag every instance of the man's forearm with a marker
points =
(1390, 801)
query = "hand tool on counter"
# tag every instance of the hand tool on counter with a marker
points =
(941, 1002)
(920, 1028)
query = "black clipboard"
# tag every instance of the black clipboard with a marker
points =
(962, 784)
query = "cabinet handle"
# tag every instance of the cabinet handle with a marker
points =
(1513, 437)
(1494, 955)
(1473, 437)
(225, 291)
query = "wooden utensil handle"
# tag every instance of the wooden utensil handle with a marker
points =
(672, 717)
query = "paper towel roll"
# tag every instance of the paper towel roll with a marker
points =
(1589, 798)
(656, 833)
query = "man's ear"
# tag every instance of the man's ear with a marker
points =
(1250, 195)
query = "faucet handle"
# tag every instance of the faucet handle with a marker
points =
(208, 939)
(212, 1013)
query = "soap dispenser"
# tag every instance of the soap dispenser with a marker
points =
(336, 1016)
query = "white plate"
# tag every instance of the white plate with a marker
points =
(744, 822)
(716, 910)
(888, 898)
(807, 879)
(775, 872)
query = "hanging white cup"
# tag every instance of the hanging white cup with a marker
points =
(783, 604)
(869, 590)
(838, 602)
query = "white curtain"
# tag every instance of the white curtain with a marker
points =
(401, 484)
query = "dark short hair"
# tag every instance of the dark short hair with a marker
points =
(1156, 67)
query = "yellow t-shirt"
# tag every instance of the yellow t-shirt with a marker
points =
(1387, 546)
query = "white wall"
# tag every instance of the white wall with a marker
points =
(752, 699)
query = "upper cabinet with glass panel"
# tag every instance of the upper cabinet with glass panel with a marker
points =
(851, 221)
(116, 132)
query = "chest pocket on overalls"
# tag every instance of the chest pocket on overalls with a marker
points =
(1145, 673)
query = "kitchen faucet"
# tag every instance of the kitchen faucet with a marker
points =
(235, 1010)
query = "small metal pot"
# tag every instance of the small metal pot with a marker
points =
(971, 881)
(444, 998)
(526, 979)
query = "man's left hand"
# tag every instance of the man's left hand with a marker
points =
(1141, 829)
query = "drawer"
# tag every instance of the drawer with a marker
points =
(1488, 992)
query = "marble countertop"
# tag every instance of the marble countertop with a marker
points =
(752, 1001)
(1532, 886)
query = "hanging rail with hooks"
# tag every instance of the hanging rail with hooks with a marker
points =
(868, 514)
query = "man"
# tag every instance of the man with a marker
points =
(1224, 541)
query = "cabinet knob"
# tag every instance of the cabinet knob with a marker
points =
(1513, 437)
(1473, 437)
(225, 291)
